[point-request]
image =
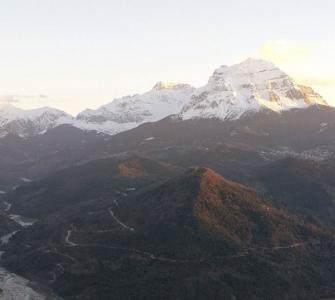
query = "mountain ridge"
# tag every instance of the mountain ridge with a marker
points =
(231, 93)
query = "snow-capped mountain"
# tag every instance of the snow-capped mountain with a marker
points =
(248, 87)
(230, 93)
(121, 114)
(162, 100)
(30, 122)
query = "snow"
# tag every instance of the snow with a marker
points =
(8, 206)
(11, 112)
(150, 138)
(323, 127)
(248, 87)
(231, 92)
(107, 127)
(30, 121)
(120, 115)
(26, 179)
(2, 192)
(125, 113)
(5, 239)
(25, 222)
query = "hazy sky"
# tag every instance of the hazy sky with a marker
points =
(74, 54)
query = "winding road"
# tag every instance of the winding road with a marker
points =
(119, 222)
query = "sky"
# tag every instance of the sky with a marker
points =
(74, 54)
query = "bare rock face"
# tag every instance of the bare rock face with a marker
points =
(310, 96)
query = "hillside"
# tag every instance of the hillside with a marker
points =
(196, 236)
(97, 179)
(303, 187)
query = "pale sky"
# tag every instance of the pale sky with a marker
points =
(74, 54)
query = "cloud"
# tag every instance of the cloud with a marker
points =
(21, 98)
(283, 52)
(8, 99)
(308, 64)
(319, 81)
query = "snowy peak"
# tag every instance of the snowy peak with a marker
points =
(124, 113)
(250, 86)
(11, 113)
(249, 66)
(30, 122)
(231, 92)
(255, 65)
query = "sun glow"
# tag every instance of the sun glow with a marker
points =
(312, 65)
(161, 85)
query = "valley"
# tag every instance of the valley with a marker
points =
(219, 192)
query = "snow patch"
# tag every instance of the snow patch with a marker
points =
(23, 221)
(8, 206)
(26, 179)
(5, 239)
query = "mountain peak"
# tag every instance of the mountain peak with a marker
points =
(203, 172)
(201, 201)
(231, 92)
(27, 122)
(254, 64)
(208, 178)
(166, 85)
(250, 65)
(163, 100)
(248, 87)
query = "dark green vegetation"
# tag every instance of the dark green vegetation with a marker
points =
(33, 158)
(303, 187)
(196, 236)
(127, 217)
(97, 179)
(234, 148)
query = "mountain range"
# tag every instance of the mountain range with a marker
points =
(231, 92)
(219, 192)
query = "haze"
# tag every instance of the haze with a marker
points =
(76, 54)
